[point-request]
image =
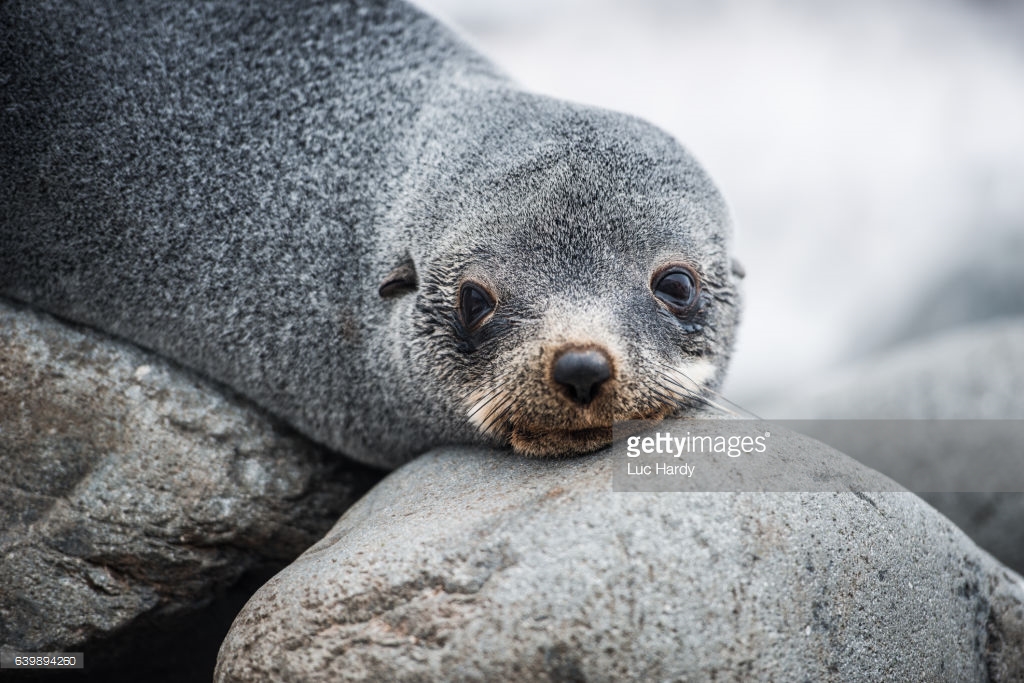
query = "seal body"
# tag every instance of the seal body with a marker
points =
(345, 214)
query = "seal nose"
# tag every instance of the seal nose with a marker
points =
(581, 373)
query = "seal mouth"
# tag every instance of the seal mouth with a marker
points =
(563, 442)
(541, 442)
(547, 430)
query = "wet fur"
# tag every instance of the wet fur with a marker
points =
(229, 184)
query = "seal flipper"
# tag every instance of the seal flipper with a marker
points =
(400, 280)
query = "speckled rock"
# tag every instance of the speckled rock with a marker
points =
(132, 489)
(466, 565)
(970, 373)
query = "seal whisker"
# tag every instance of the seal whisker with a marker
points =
(484, 418)
(479, 402)
(670, 397)
(499, 415)
(505, 415)
(677, 393)
(694, 395)
(487, 391)
(722, 397)
(686, 393)
(682, 397)
(484, 412)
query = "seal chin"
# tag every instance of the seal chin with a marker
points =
(560, 442)
(546, 441)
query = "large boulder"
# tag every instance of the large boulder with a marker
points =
(974, 372)
(971, 374)
(133, 492)
(471, 565)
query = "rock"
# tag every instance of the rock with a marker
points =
(974, 373)
(133, 491)
(987, 283)
(473, 565)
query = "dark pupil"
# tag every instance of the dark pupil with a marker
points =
(475, 305)
(676, 289)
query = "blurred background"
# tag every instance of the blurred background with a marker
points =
(872, 152)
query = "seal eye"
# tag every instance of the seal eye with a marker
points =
(676, 288)
(474, 304)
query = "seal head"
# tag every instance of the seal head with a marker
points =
(579, 277)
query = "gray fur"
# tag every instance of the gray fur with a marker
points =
(228, 184)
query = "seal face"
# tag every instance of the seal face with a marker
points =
(346, 215)
(593, 288)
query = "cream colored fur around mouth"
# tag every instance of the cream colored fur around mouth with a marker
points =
(489, 407)
(690, 377)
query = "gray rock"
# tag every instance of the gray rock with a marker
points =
(470, 565)
(987, 283)
(974, 373)
(129, 488)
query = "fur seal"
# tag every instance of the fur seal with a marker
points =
(345, 214)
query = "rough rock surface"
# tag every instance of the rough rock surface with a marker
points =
(969, 373)
(465, 565)
(130, 489)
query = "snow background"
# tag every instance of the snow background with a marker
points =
(866, 149)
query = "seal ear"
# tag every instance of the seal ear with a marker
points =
(400, 280)
(738, 270)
